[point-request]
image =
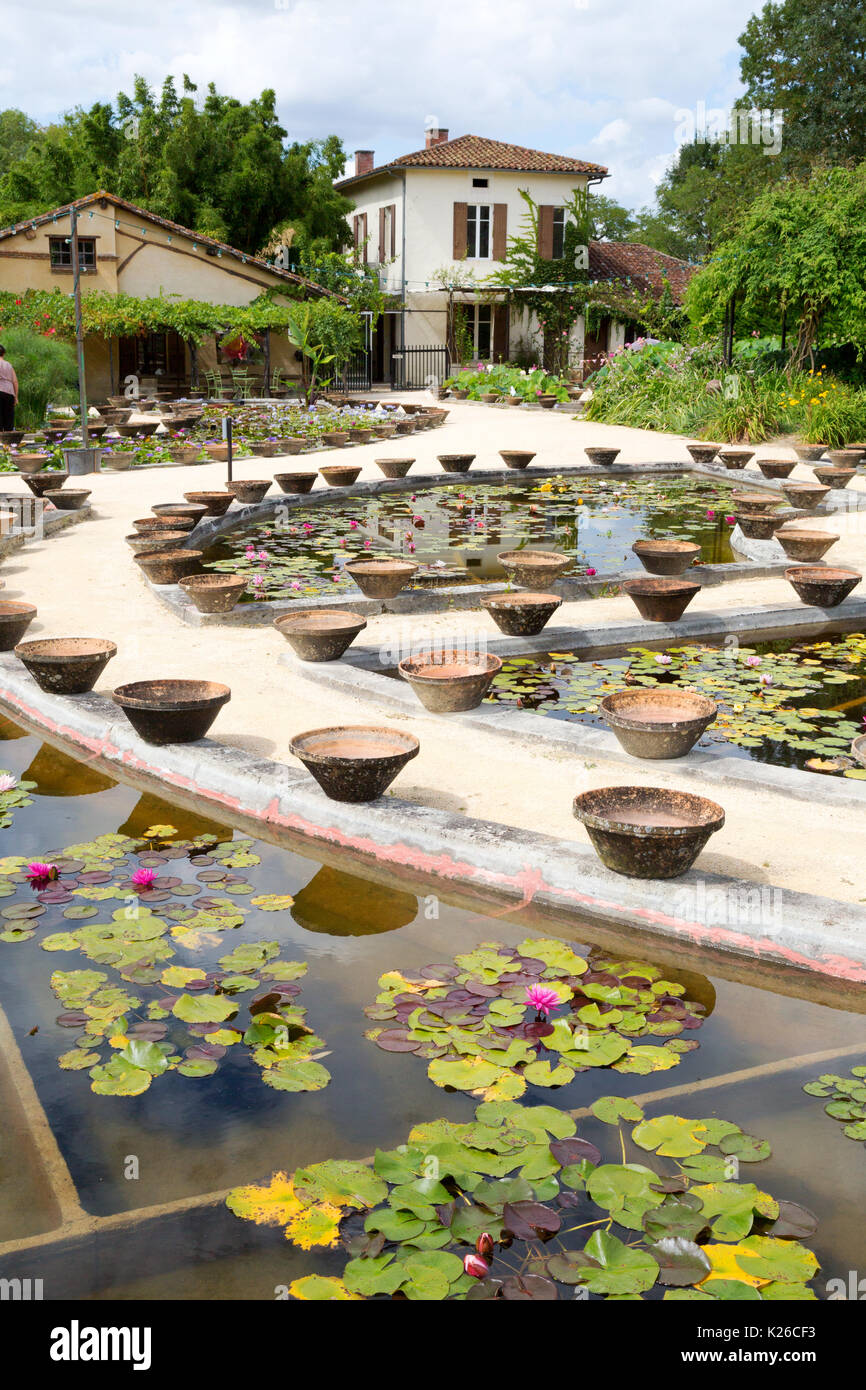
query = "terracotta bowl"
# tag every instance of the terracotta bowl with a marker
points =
(449, 681)
(68, 499)
(516, 458)
(703, 453)
(360, 436)
(185, 453)
(66, 665)
(858, 749)
(845, 458)
(354, 762)
(249, 491)
(658, 723)
(11, 436)
(171, 711)
(776, 468)
(758, 526)
(755, 502)
(15, 618)
(213, 593)
(521, 615)
(384, 431)
(31, 463)
(140, 543)
(295, 482)
(144, 430)
(666, 556)
(340, 475)
(736, 458)
(805, 546)
(394, 468)
(117, 461)
(455, 463)
(833, 476)
(191, 511)
(145, 524)
(218, 452)
(806, 495)
(810, 453)
(822, 585)
(168, 566)
(320, 634)
(52, 479)
(335, 439)
(381, 578)
(534, 569)
(215, 503)
(404, 426)
(661, 600)
(606, 457)
(290, 445)
(647, 832)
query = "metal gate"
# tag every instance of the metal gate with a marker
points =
(414, 368)
(358, 372)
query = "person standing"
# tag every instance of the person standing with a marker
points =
(8, 392)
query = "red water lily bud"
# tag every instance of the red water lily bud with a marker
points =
(484, 1245)
(476, 1267)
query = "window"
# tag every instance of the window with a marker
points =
(481, 327)
(479, 183)
(60, 248)
(478, 231)
(558, 234)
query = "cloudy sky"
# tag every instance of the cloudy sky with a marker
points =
(606, 80)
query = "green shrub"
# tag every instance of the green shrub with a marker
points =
(47, 370)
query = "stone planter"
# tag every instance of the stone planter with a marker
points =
(384, 431)
(455, 463)
(547, 402)
(514, 400)
(8, 437)
(490, 397)
(521, 615)
(703, 453)
(321, 635)
(176, 511)
(68, 499)
(736, 458)
(340, 475)
(805, 546)
(295, 482)
(214, 593)
(168, 566)
(459, 395)
(219, 452)
(516, 458)
(449, 681)
(658, 723)
(142, 430)
(666, 556)
(154, 541)
(604, 457)
(185, 453)
(834, 476)
(759, 502)
(263, 448)
(51, 480)
(166, 711)
(145, 525)
(394, 468)
(66, 665)
(758, 526)
(290, 445)
(31, 463)
(335, 439)
(354, 762)
(81, 461)
(381, 578)
(821, 585)
(647, 832)
(249, 491)
(810, 453)
(216, 503)
(776, 468)
(858, 748)
(359, 436)
(534, 569)
(15, 618)
(807, 495)
(661, 600)
(118, 460)
(845, 458)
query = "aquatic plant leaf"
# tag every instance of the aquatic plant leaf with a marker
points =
(272, 1204)
(119, 1077)
(77, 1060)
(272, 902)
(319, 1288)
(680, 1260)
(296, 1076)
(204, 1008)
(180, 975)
(621, 1269)
(315, 1225)
(671, 1136)
(612, 1109)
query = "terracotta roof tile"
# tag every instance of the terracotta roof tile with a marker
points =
(643, 265)
(476, 152)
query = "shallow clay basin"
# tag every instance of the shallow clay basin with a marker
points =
(295, 482)
(845, 458)
(384, 431)
(405, 426)
(449, 681)
(66, 665)
(394, 468)
(381, 578)
(31, 463)
(810, 453)
(322, 635)
(335, 439)
(647, 832)
(603, 456)
(858, 749)
(11, 436)
(51, 480)
(776, 468)
(173, 511)
(218, 452)
(661, 600)
(516, 458)
(145, 524)
(658, 723)
(171, 711)
(758, 526)
(249, 491)
(755, 502)
(354, 762)
(703, 453)
(736, 458)
(806, 495)
(213, 593)
(145, 430)
(456, 463)
(15, 618)
(140, 542)
(184, 453)
(68, 500)
(833, 476)
(807, 546)
(216, 503)
(168, 566)
(521, 615)
(340, 474)
(821, 585)
(289, 445)
(666, 556)
(534, 569)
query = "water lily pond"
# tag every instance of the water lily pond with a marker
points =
(465, 526)
(778, 703)
(202, 1013)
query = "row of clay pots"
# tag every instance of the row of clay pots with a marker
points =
(735, 458)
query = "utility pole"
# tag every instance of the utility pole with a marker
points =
(79, 326)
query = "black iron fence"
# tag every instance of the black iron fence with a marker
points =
(414, 368)
(358, 372)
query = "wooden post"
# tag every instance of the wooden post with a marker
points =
(79, 326)
(193, 365)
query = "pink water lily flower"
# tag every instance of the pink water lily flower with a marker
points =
(590, 571)
(765, 680)
(263, 556)
(250, 552)
(475, 1266)
(39, 874)
(753, 661)
(730, 521)
(143, 879)
(710, 514)
(541, 999)
(663, 660)
(8, 782)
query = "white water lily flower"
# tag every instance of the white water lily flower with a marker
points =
(8, 783)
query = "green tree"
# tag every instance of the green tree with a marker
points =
(17, 134)
(609, 220)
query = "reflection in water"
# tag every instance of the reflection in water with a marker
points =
(152, 810)
(339, 904)
(9, 731)
(56, 774)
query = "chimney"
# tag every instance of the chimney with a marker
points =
(434, 135)
(364, 161)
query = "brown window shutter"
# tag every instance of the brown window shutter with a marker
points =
(383, 255)
(393, 230)
(545, 231)
(460, 231)
(364, 235)
(500, 231)
(500, 332)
